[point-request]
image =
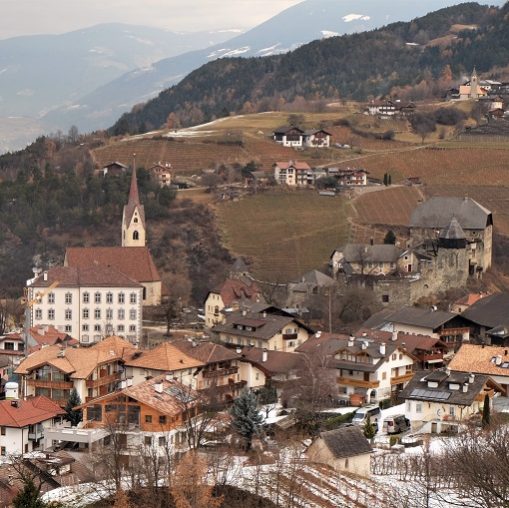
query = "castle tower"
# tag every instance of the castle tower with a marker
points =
(133, 218)
(474, 85)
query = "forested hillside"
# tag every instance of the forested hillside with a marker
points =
(55, 201)
(401, 56)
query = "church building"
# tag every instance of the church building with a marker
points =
(133, 258)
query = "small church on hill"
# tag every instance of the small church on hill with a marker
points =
(133, 258)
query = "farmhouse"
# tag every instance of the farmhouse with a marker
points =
(289, 136)
(114, 168)
(363, 259)
(312, 283)
(317, 138)
(160, 172)
(349, 177)
(293, 174)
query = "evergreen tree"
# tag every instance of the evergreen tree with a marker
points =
(390, 238)
(486, 416)
(28, 497)
(369, 430)
(385, 179)
(73, 415)
(246, 419)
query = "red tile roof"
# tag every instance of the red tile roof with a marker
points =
(166, 357)
(238, 289)
(47, 335)
(298, 165)
(135, 262)
(28, 412)
(88, 276)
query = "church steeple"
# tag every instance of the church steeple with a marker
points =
(133, 218)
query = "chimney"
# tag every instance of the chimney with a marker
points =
(498, 360)
(265, 355)
(123, 384)
(448, 371)
(158, 387)
(264, 314)
(464, 388)
(318, 334)
(382, 348)
(364, 344)
(471, 378)
(238, 350)
(394, 337)
(61, 353)
(351, 341)
(45, 276)
(244, 312)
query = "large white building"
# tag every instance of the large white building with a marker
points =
(87, 303)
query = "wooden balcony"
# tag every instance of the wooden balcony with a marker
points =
(357, 383)
(56, 385)
(397, 380)
(432, 356)
(105, 380)
(290, 336)
(220, 372)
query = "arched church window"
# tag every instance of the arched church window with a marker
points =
(136, 220)
(136, 235)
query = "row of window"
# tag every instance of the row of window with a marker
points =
(108, 328)
(86, 314)
(133, 298)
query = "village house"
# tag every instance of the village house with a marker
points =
(133, 259)
(349, 177)
(54, 371)
(345, 449)
(87, 302)
(141, 365)
(236, 291)
(492, 361)
(41, 336)
(263, 367)
(429, 352)
(221, 376)
(151, 416)
(451, 328)
(487, 314)
(269, 328)
(474, 221)
(114, 168)
(302, 292)
(294, 174)
(295, 137)
(290, 136)
(465, 302)
(12, 350)
(367, 371)
(436, 401)
(364, 259)
(23, 422)
(160, 172)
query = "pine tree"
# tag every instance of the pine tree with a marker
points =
(246, 418)
(486, 416)
(73, 415)
(28, 497)
(390, 238)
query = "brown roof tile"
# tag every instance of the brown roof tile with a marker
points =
(478, 359)
(165, 357)
(135, 262)
(238, 289)
(206, 352)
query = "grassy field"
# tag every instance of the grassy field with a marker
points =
(285, 234)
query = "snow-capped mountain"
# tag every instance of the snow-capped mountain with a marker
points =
(302, 23)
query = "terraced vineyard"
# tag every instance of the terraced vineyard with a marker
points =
(391, 206)
(285, 233)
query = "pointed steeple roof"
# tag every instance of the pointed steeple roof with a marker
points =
(133, 202)
(453, 232)
(134, 196)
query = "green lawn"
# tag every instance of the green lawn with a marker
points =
(284, 233)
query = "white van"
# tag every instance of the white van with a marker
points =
(367, 412)
(396, 424)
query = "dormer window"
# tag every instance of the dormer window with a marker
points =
(454, 386)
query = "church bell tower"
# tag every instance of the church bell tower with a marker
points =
(133, 218)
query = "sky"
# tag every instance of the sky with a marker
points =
(28, 17)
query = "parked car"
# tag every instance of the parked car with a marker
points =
(371, 413)
(396, 424)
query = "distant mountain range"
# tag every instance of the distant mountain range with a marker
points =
(352, 66)
(42, 72)
(300, 24)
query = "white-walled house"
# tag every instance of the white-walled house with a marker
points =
(22, 423)
(436, 401)
(87, 303)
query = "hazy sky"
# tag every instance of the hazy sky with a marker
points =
(23, 17)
